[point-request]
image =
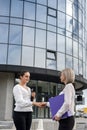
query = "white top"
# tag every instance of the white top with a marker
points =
(69, 101)
(22, 98)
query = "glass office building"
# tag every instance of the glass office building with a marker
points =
(43, 37)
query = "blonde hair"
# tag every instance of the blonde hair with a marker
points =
(69, 75)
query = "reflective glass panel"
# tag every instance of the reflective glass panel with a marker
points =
(51, 41)
(80, 67)
(16, 21)
(27, 56)
(61, 5)
(52, 12)
(40, 56)
(75, 11)
(41, 13)
(40, 38)
(51, 20)
(15, 34)
(43, 2)
(80, 51)
(75, 65)
(4, 7)
(16, 8)
(29, 11)
(68, 61)
(3, 33)
(52, 3)
(51, 64)
(4, 19)
(69, 7)
(75, 49)
(51, 28)
(69, 23)
(41, 25)
(3, 54)
(61, 20)
(75, 27)
(69, 46)
(30, 23)
(51, 55)
(14, 54)
(60, 61)
(61, 43)
(28, 36)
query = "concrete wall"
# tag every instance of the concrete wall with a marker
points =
(6, 95)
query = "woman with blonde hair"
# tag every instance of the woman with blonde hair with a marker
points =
(68, 78)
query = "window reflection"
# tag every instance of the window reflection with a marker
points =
(75, 49)
(40, 56)
(80, 51)
(51, 64)
(52, 3)
(52, 20)
(16, 8)
(14, 54)
(69, 23)
(69, 46)
(43, 2)
(29, 11)
(75, 11)
(28, 36)
(69, 7)
(4, 7)
(52, 12)
(40, 38)
(3, 30)
(61, 43)
(75, 27)
(68, 61)
(41, 13)
(60, 61)
(15, 34)
(75, 65)
(61, 5)
(3, 54)
(27, 56)
(61, 20)
(51, 54)
(4, 19)
(80, 67)
(51, 41)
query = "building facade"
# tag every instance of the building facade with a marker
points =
(43, 37)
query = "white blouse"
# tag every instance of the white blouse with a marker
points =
(22, 98)
(69, 101)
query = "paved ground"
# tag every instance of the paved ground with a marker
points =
(81, 124)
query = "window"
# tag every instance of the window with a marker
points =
(41, 13)
(14, 54)
(27, 56)
(61, 5)
(29, 11)
(4, 7)
(60, 61)
(52, 12)
(15, 34)
(61, 20)
(61, 43)
(51, 41)
(51, 59)
(16, 8)
(28, 36)
(3, 54)
(40, 57)
(52, 3)
(68, 61)
(40, 38)
(3, 33)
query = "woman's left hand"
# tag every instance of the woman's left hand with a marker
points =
(56, 118)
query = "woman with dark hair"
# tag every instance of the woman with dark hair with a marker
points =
(22, 115)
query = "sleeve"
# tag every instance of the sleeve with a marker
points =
(19, 98)
(67, 101)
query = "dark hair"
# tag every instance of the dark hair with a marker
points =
(22, 73)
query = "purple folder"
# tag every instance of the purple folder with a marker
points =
(55, 104)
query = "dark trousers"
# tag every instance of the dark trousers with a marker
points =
(22, 120)
(67, 123)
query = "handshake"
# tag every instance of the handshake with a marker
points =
(40, 104)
